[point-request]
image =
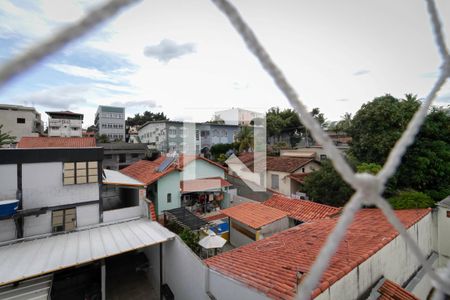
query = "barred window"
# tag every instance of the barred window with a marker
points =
(80, 172)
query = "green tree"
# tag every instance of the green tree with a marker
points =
(378, 125)
(326, 186)
(5, 138)
(102, 138)
(370, 168)
(245, 139)
(147, 116)
(410, 199)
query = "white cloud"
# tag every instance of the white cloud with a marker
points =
(137, 103)
(167, 50)
(64, 97)
(90, 73)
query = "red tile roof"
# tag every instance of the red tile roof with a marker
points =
(286, 164)
(56, 142)
(390, 290)
(146, 171)
(203, 184)
(271, 265)
(302, 210)
(299, 177)
(254, 214)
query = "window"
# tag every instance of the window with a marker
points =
(64, 220)
(169, 197)
(108, 156)
(197, 135)
(80, 172)
(20, 120)
(134, 155)
(122, 158)
(275, 181)
(303, 170)
(323, 156)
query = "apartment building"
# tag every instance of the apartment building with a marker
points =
(65, 124)
(20, 121)
(120, 155)
(167, 136)
(110, 121)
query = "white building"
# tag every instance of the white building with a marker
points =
(64, 229)
(237, 116)
(20, 121)
(65, 124)
(110, 121)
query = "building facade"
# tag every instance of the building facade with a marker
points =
(167, 136)
(20, 121)
(65, 124)
(237, 116)
(121, 155)
(110, 121)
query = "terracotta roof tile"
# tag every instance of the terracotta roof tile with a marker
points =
(299, 177)
(254, 214)
(286, 164)
(302, 210)
(271, 265)
(56, 142)
(203, 184)
(390, 290)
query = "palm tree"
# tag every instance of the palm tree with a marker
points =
(5, 138)
(245, 138)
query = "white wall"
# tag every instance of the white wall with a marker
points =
(394, 261)
(284, 182)
(87, 215)
(122, 213)
(443, 234)
(34, 225)
(8, 182)
(201, 169)
(183, 271)
(42, 185)
(8, 230)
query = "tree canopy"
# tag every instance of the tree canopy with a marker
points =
(147, 116)
(5, 137)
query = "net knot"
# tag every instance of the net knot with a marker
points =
(369, 186)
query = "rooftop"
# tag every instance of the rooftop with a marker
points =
(112, 177)
(63, 113)
(56, 142)
(287, 164)
(390, 290)
(302, 210)
(16, 107)
(271, 265)
(203, 184)
(299, 177)
(254, 214)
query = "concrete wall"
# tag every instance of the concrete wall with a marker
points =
(394, 261)
(275, 227)
(443, 234)
(35, 225)
(8, 182)
(183, 271)
(154, 134)
(8, 230)
(64, 127)
(238, 239)
(87, 215)
(168, 184)
(8, 118)
(122, 213)
(284, 182)
(42, 185)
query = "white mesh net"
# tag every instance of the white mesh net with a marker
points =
(368, 187)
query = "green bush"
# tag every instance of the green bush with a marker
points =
(411, 199)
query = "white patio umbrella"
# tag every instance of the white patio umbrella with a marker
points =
(212, 241)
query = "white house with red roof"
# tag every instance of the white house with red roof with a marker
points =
(193, 182)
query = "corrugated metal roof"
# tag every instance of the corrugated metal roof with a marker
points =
(29, 258)
(116, 178)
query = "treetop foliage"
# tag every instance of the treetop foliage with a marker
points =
(147, 116)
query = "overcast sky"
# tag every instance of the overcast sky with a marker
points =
(184, 58)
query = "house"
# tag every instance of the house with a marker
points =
(237, 116)
(65, 124)
(250, 221)
(317, 151)
(300, 211)
(110, 121)
(58, 235)
(119, 155)
(283, 174)
(194, 182)
(186, 137)
(19, 121)
(275, 267)
(56, 142)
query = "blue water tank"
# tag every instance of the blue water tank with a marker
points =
(8, 208)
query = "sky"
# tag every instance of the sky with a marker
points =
(183, 58)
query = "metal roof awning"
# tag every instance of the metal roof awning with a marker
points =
(32, 257)
(112, 177)
(186, 218)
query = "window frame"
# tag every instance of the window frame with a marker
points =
(272, 176)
